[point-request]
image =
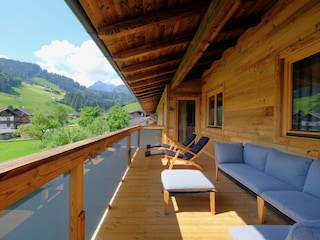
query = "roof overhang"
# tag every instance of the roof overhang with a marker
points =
(154, 44)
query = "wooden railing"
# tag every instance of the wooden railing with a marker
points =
(22, 176)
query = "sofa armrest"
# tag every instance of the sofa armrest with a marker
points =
(306, 230)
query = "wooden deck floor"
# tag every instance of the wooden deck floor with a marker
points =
(137, 209)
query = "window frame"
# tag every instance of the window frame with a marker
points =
(287, 58)
(215, 93)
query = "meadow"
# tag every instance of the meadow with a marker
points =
(33, 97)
(18, 148)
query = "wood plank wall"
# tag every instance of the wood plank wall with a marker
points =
(252, 85)
(252, 96)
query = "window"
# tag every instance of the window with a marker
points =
(215, 112)
(301, 70)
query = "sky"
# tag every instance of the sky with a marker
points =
(47, 33)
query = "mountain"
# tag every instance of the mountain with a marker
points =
(101, 86)
(76, 96)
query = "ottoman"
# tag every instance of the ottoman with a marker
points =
(186, 181)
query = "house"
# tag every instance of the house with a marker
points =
(22, 116)
(311, 122)
(6, 133)
(12, 118)
(236, 71)
(7, 118)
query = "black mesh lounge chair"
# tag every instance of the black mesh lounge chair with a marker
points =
(187, 143)
(181, 153)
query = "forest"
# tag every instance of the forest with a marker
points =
(13, 73)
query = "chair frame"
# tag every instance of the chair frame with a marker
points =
(180, 149)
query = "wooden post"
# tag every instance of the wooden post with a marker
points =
(77, 214)
(213, 202)
(166, 201)
(261, 209)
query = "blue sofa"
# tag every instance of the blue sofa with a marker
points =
(308, 230)
(288, 182)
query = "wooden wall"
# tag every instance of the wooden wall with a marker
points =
(167, 109)
(252, 86)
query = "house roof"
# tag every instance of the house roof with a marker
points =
(154, 44)
(24, 110)
(7, 109)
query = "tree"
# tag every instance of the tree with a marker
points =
(41, 123)
(61, 114)
(88, 115)
(67, 135)
(118, 118)
(64, 135)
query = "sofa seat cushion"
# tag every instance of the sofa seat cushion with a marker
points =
(297, 205)
(288, 168)
(254, 179)
(255, 156)
(259, 232)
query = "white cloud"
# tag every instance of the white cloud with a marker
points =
(84, 64)
(3, 56)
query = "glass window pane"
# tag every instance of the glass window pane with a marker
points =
(219, 109)
(211, 110)
(306, 94)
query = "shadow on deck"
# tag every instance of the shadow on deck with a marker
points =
(137, 209)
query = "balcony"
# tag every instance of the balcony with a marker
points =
(99, 189)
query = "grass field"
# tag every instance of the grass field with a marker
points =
(14, 149)
(132, 107)
(32, 97)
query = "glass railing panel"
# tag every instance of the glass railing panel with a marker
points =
(134, 142)
(43, 214)
(150, 136)
(103, 174)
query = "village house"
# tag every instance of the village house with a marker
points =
(12, 118)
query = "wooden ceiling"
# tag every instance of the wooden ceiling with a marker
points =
(152, 43)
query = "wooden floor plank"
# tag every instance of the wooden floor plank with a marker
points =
(137, 209)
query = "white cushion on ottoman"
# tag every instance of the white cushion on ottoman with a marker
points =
(185, 180)
(180, 181)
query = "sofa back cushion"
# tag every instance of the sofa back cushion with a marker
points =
(228, 152)
(255, 156)
(288, 168)
(311, 185)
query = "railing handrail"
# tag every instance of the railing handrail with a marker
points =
(21, 176)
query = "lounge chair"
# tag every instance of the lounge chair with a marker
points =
(180, 153)
(187, 143)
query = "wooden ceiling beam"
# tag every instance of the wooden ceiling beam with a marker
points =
(167, 60)
(151, 93)
(150, 100)
(153, 20)
(148, 88)
(218, 13)
(153, 47)
(151, 81)
(151, 74)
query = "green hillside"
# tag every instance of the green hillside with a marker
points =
(34, 97)
(43, 97)
(132, 107)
